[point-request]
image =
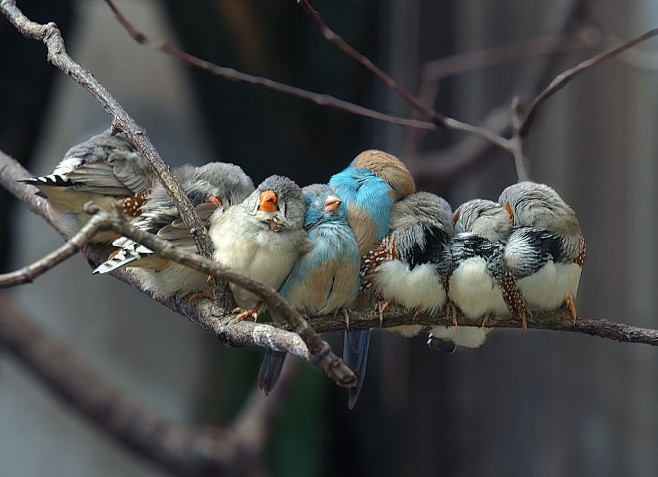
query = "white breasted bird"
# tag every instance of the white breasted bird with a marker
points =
(261, 237)
(410, 265)
(546, 250)
(476, 283)
(212, 188)
(107, 170)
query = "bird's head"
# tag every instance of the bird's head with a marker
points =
(388, 168)
(485, 218)
(278, 202)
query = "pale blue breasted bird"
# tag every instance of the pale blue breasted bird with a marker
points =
(325, 279)
(369, 187)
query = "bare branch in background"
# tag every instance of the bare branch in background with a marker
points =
(519, 143)
(563, 78)
(427, 111)
(234, 75)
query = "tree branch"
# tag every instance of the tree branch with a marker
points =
(50, 35)
(234, 75)
(175, 448)
(563, 78)
(310, 346)
(435, 117)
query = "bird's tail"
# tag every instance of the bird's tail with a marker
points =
(270, 370)
(54, 180)
(129, 252)
(355, 354)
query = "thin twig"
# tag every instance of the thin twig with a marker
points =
(439, 119)
(234, 75)
(72, 246)
(519, 143)
(50, 35)
(563, 78)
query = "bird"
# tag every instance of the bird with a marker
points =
(410, 265)
(368, 187)
(212, 188)
(478, 283)
(546, 250)
(106, 169)
(262, 237)
(325, 279)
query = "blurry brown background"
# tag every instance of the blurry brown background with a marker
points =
(536, 403)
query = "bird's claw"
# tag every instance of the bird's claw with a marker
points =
(485, 318)
(451, 312)
(244, 314)
(381, 307)
(571, 306)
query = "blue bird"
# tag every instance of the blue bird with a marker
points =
(326, 278)
(369, 187)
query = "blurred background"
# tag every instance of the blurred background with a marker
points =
(538, 403)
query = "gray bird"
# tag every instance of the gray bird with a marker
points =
(477, 282)
(546, 250)
(410, 265)
(211, 188)
(107, 170)
(261, 237)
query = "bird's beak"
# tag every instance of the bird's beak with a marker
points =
(332, 203)
(509, 210)
(215, 200)
(455, 217)
(267, 201)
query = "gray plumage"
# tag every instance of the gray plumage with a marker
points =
(107, 170)
(262, 236)
(410, 266)
(212, 188)
(546, 250)
(475, 283)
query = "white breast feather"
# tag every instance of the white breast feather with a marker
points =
(413, 289)
(473, 290)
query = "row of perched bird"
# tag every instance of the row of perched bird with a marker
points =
(366, 231)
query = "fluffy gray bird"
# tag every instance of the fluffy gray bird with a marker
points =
(477, 282)
(261, 237)
(107, 170)
(211, 188)
(410, 265)
(546, 250)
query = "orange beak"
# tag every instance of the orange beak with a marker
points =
(509, 210)
(215, 200)
(267, 201)
(455, 217)
(332, 203)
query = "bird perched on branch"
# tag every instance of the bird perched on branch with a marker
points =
(369, 187)
(211, 188)
(546, 250)
(410, 265)
(325, 279)
(261, 237)
(477, 282)
(107, 170)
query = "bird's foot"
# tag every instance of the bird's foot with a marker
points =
(244, 314)
(346, 315)
(418, 310)
(485, 318)
(381, 307)
(524, 312)
(451, 312)
(571, 306)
